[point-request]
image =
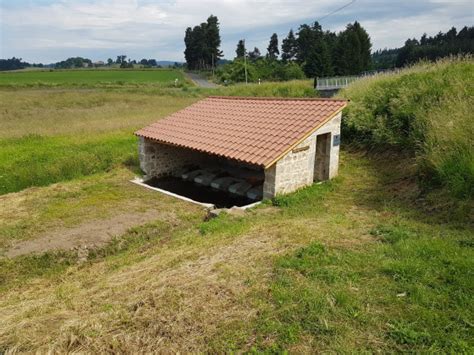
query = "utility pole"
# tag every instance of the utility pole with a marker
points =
(245, 63)
(212, 57)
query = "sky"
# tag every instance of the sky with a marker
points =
(48, 31)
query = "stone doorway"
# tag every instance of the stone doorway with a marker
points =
(322, 157)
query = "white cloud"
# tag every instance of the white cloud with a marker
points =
(93, 28)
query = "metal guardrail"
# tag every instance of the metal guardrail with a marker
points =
(334, 83)
(339, 82)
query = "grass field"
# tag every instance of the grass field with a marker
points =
(92, 78)
(51, 136)
(368, 262)
(350, 265)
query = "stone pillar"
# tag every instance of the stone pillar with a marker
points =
(270, 182)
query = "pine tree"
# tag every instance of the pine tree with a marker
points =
(240, 51)
(289, 47)
(313, 52)
(352, 52)
(272, 50)
(365, 59)
(213, 40)
(189, 54)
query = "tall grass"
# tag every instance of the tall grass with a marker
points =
(91, 112)
(37, 161)
(425, 109)
(293, 88)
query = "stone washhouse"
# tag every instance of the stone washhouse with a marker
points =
(290, 142)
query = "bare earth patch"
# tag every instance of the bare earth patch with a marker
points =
(92, 234)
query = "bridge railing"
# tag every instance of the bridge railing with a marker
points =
(339, 82)
(336, 82)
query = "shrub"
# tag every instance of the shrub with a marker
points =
(263, 69)
(293, 88)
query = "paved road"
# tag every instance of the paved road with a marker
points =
(200, 81)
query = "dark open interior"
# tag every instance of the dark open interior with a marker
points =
(199, 193)
(241, 185)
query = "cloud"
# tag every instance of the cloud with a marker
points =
(49, 30)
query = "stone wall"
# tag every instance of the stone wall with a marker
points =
(296, 168)
(158, 159)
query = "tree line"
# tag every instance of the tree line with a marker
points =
(79, 62)
(310, 52)
(326, 53)
(316, 52)
(427, 48)
(15, 64)
(313, 52)
(121, 61)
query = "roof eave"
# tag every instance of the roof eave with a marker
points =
(275, 160)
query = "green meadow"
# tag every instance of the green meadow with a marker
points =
(91, 78)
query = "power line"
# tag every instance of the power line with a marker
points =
(337, 10)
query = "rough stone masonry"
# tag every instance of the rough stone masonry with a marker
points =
(298, 168)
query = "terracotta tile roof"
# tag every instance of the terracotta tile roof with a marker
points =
(252, 130)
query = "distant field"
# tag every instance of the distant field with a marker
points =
(54, 135)
(161, 77)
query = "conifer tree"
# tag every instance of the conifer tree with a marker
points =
(202, 44)
(272, 51)
(352, 53)
(289, 47)
(240, 51)
(313, 52)
(255, 54)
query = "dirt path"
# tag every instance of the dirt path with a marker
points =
(90, 234)
(200, 81)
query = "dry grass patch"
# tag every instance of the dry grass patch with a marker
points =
(60, 112)
(42, 212)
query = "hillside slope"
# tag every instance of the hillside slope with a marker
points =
(425, 110)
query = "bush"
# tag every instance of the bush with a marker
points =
(426, 110)
(263, 69)
(293, 88)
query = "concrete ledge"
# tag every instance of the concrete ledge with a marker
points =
(209, 206)
(141, 182)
